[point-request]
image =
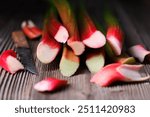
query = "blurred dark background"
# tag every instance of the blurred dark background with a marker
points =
(11, 7)
(40, 5)
(24, 9)
(26, 6)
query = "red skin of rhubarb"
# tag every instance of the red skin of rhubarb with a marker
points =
(49, 40)
(88, 29)
(48, 48)
(28, 33)
(108, 72)
(69, 21)
(3, 58)
(36, 31)
(4, 61)
(50, 84)
(115, 38)
(54, 26)
(118, 72)
(32, 32)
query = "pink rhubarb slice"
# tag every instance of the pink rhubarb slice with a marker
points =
(31, 30)
(50, 84)
(9, 62)
(118, 72)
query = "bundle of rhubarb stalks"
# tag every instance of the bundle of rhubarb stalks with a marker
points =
(78, 37)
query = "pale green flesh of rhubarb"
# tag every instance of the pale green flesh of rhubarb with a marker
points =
(67, 67)
(129, 60)
(94, 64)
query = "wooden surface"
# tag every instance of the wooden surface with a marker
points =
(20, 85)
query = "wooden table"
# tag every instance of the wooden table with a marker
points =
(20, 85)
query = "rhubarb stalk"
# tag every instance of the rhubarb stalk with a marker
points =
(95, 60)
(114, 33)
(69, 62)
(118, 72)
(31, 30)
(124, 59)
(55, 28)
(139, 52)
(69, 21)
(90, 35)
(9, 62)
(48, 48)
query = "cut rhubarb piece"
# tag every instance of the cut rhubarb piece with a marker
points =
(139, 52)
(47, 49)
(69, 21)
(31, 30)
(77, 46)
(114, 34)
(95, 60)
(125, 60)
(50, 84)
(118, 72)
(115, 39)
(9, 62)
(55, 28)
(90, 35)
(95, 40)
(69, 62)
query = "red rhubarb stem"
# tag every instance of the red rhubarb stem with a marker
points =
(48, 48)
(69, 21)
(55, 28)
(90, 35)
(114, 33)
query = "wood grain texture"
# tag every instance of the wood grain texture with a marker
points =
(20, 85)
